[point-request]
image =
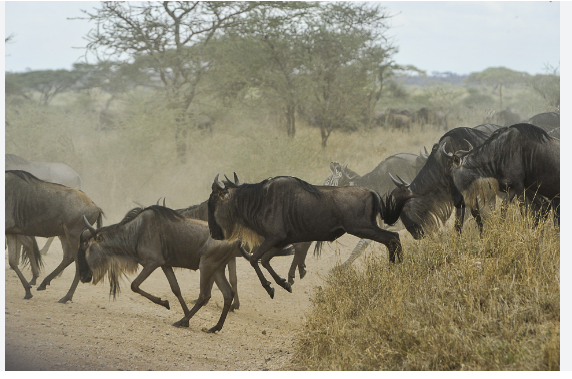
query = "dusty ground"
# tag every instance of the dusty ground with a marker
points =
(93, 332)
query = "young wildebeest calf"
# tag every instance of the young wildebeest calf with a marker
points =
(521, 160)
(285, 210)
(158, 237)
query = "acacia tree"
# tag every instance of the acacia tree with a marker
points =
(347, 58)
(170, 37)
(498, 77)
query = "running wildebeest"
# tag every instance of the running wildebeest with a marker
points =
(200, 212)
(158, 237)
(59, 173)
(285, 210)
(403, 164)
(521, 160)
(433, 193)
(38, 208)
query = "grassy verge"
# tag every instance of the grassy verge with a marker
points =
(455, 303)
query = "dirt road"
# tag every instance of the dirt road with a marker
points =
(96, 333)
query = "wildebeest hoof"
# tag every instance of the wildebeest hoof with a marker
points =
(165, 303)
(63, 300)
(290, 280)
(28, 295)
(270, 291)
(233, 307)
(211, 330)
(182, 323)
(41, 287)
(303, 273)
(284, 284)
(32, 282)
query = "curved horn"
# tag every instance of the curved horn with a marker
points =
(218, 183)
(395, 181)
(426, 152)
(89, 227)
(468, 143)
(423, 155)
(227, 179)
(450, 155)
(403, 181)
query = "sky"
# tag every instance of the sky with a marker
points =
(458, 36)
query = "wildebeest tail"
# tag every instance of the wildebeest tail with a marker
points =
(318, 248)
(27, 256)
(390, 208)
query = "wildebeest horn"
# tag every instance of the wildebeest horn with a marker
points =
(426, 152)
(160, 200)
(450, 155)
(423, 155)
(403, 181)
(236, 181)
(470, 146)
(218, 183)
(396, 182)
(89, 227)
(227, 179)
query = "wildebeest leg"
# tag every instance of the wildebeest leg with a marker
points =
(300, 252)
(260, 251)
(144, 274)
(44, 250)
(71, 246)
(265, 261)
(66, 261)
(476, 213)
(206, 286)
(168, 270)
(385, 237)
(13, 250)
(227, 294)
(459, 217)
(233, 283)
(360, 247)
(28, 244)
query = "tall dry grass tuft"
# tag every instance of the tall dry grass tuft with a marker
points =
(455, 303)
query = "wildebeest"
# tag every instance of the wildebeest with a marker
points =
(285, 210)
(200, 212)
(59, 173)
(521, 160)
(155, 237)
(38, 208)
(433, 193)
(403, 164)
(546, 121)
(549, 121)
(426, 116)
(52, 172)
(504, 118)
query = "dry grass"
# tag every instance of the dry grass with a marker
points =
(455, 303)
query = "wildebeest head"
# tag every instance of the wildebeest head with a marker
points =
(98, 255)
(433, 193)
(225, 216)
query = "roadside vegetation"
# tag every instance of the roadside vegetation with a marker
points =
(455, 303)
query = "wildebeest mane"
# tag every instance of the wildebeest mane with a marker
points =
(194, 211)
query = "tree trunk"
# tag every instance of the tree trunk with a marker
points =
(291, 120)
(181, 132)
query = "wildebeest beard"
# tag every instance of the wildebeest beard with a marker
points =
(115, 267)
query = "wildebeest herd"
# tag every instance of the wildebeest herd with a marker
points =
(466, 168)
